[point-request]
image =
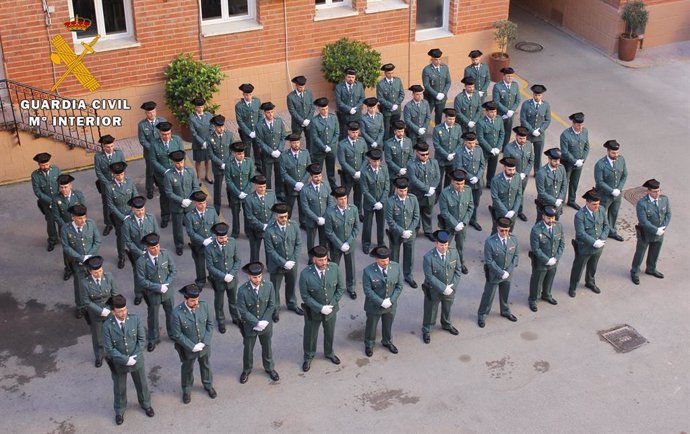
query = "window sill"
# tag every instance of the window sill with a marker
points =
(385, 6)
(229, 27)
(334, 13)
(426, 35)
(108, 44)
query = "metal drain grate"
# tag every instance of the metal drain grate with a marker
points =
(623, 338)
(633, 195)
(529, 47)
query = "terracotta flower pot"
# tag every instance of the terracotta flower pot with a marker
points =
(627, 47)
(498, 61)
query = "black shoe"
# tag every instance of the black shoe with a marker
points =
(574, 206)
(464, 269)
(392, 348)
(179, 250)
(274, 375)
(51, 246)
(452, 330)
(522, 216)
(571, 292)
(410, 281)
(236, 322)
(481, 323)
(361, 218)
(221, 328)
(616, 237)
(99, 363)
(353, 295)
(67, 274)
(426, 337)
(298, 310)
(121, 263)
(210, 181)
(657, 274)
(365, 250)
(476, 225)
(119, 419)
(149, 195)
(509, 316)
(150, 347)
(429, 236)
(78, 314)
(595, 289)
(368, 351)
(186, 398)
(550, 300)
(107, 230)
(306, 365)
(244, 377)
(533, 306)
(212, 393)
(334, 359)
(635, 279)
(276, 316)
(149, 412)
(164, 223)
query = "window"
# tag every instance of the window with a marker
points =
(112, 19)
(432, 19)
(332, 3)
(227, 10)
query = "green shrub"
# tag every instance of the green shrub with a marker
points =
(346, 53)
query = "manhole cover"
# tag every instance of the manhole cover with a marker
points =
(633, 195)
(529, 47)
(623, 338)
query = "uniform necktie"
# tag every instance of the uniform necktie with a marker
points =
(656, 203)
(385, 273)
(503, 241)
(140, 222)
(443, 258)
(155, 262)
(322, 275)
(282, 230)
(79, 231)
(122, 327)
(299, 94)
(108, 157)
(317, 189)
(551, 231)
(295, 154)
(98, 282)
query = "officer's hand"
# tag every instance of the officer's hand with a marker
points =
(505, 275)
(394, 107)
(460, 226)
(579, 163)
(289, 265)
(510, 214)
(242, 195)
(374, 145)
(306, 123)
(615, 192)
(421, 131)
(328, 149)
(345, 247)
(357, 174)
(131, 361)
(222, 166)
(450, 156)
(228, 278)
(85, 258)
(320, 221)
(536, 133)
(164, 288)
(378, 206)
(137, 301)
(327, 309)
(252, 135)
(505, 116)
(431, 192)
(386, 303)
(598, 244)
(440, 96)
(263, 324)
(551, 261)
(559, 202)
(471, 124)
(208, 241)
(510, 113)
(481, 94)
(406, 234)
(257, 328)
(198, 347)
(264, 227)
(495, 151)
(299, 186)
(660, 232)
(275, 154)
(474, 180)
(402, 171)
(448, 290)
(203, 145)
(353, 110)
(523, 176)
(185, 203)
(105, 312)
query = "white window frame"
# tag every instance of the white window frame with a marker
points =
(437, 32)
(330, 4)
(224, 14)
(226, 24)
(114, 41)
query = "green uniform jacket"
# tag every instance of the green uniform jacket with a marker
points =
(351, 157)
(574, 146)
(446, 141)
(77, 245)
(179, 187)
(189, 329)
(524, 156)
(219, 150)
(101, 164)
(468, 108)
(402, 216)
(200, 127)
(237, 178)
(280, 247)
(375, 187)
(199, 228)
(94, 297)
(121, 346)
(317, 293)
(480, 74)
(294, 170)
(389, 94)
(590, 227)
(397, 154)
(342, 228)
(148, 133)
(371, 128)
(506, 97)
(150, 278)
(608, 178)
(417, 116)
(436, 81)
(300, 108)
(132, 233)
(259, 213)
(313, 204)
(60, 206)
(498, 258)
(533, 117)
(159, 155)
(247, 116)
(474, 165)
(506, 195)
(347, 100)
(545, 246)
(438, 275)
(271, 139)
(324, 132)
(455, 207)
(490, 134)
(377, 288)
(45, 186)
(254, 307)
(422, 177)
(652, 217)
(219, 264)
(117, 197)
(551, 184)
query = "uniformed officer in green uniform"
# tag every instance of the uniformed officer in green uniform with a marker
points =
(535, 115)
(574, 150)
(653, 215)
(436, 81)
(402, 218)
(371, 124)
(200, 127)
(325, 133)
(397, 152)
(521, 150)
(314, 200)
(447, 137)
(257, 211)
(591, 231)
(300, 104)
(442, 270)
(349, 97)
(552, 183)
(417, 114)
(490, 136)
(610, 174)
(239, 170)
(123, 341)
(118, 194)
(192, 328)
(255, 302)
(283, 247)
(160, 160)
(506, 95)
(382, 285)
(425, 176)
(270, 138)
(101, 164)
(80, 241)
(547, 242)
(468, 106)
(45, 186)
(375, 189)
(390, 93)
(351, 157)
(97, 288)
(219, 141)
(247, 113)
(198, 223)
(342, 228)
(135, 225)
(321, 288)
(222, 263)
(179, 184)
(293, 169)
(506, 193)
(148, 133)
(62, 201)
(455, 210)
(480, 72)
(500, 260)
(471, 160)
(156, 271)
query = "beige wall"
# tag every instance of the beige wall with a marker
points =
(668, 22)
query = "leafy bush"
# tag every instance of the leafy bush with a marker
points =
(346, 53)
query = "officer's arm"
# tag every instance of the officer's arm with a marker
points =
(564, 185)
(109, 348)
(523, 117)
(157, 166)
(398, 286)
(427, 114)
(342, 158)
(304, 205)
(167, 186)
(547, 117)
(364, 133)
(355, 229)
(586, 146)
(379, 95)
(426, 81)
(359, 89)
(298, 247)
(366, 193)
(624, 176)
(241, 124)
(502, 109)
(86, 302)
(339, 287)
(446, 73)
(209, 327)
(388, 155)
(518, 196)
(249, 213)
(369, 293)
(272, 255)
(194, 129)
(236, 260)
(271, 304)
(263, 135)
(535, 246)
(415, 214)
(308, 300)
(501, 136)
(470, 207)
(127, 236)
(99, 170)
(530, 158)
(93, 249)
(282, 163)
(176, 330)
(330, 233)
(189, 226)
(436, 285)
(407, 116)
(316, 135)
(249, 185)
(566, 156)
(172, 270)
(415, 182)
(393, 226)
(449, 217)
(540, 182)
(435, 178)
(457, 104)
(489, 258)
(386, 185)
(580, 233)
(667, 218)
(482, 166)
(457, 272)
(439, 151)
(214, 271)
(401, 92)
(230, 168)
(335, 133)
(561, 240)
(292, 108)
(142, 136)
(599, 180)
(516, 103)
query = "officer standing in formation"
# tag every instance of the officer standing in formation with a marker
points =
(315, 199)
(468, 106)
(402, 219)
(257, 212)
(270, 139)
(222, 263)
(247, 115)
(654, 216)
(293, 170)
(436, 80)
(506, 194)
(179, 183)
(65, 198)
(547, 242)
(349, 97)
(239, 171)
(118, 194)
(397, 152)
(325, 134)
(480, 72)
(506, 95)
(455, 210)
(371, 125)
(574, 153)
(198, 223)
(375, 191)
(610, 174)
(342, 228)
(136, 225)
(200, 127)
(45, 187)
(219, 141)
(351, 157)
(390, 93)
(417, 114)
(149, 133)
(552, 184)
(159, 158)
(425, 176)
(490, 135)
(447, 137)
(101, 164)
(97, 288)
(300, 104)
(523, 154)
(535, 115)
(471, 160)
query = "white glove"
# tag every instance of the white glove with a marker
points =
(357, 174)
(402, 171)
(471, 124)
(598, 244)
(298, 186)
(328, 149)
(431, 191)
(616, 192)
(495, 151)
(203, 145)
(660, 232)
(374, 145)
(510, 113)
(144, 252)
(481, 94)
(551, 261)
(306, 123)
(222, 166)
(85, 258)
(228, 278)
(252, 134)
(559, 202)
(460, 226)
(242, 195)
(289, 265)
(439, 96)
(505, 275)
(536, 133)
(386, 303)
(450, 156)
(474, 180)
(505, 116)
(510, 214)
(186, 202)
(105, 312)
(522, 176)
(132, 360)
(320, 221)
(198, 347)
(579, 163)
(263, 323)
(353, 110)
(164, 288)
(448, 290)
(327, 309)
(345, 247)
(421, 131)
(378, 206)
(265, 226)
(208, 241)
(394, 107)
(406, 234)
(275, 154)
(257, 328)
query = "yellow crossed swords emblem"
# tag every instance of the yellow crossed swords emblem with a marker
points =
(63, 53)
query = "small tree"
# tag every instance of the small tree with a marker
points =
(346, 53)
(635, 15)
(506, 31)
(187, 79)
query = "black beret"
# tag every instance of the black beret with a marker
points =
(300, 80)
(340, 191)
(218, 120)
(198, 196)
(421, 146)
(399, 124)
(503, 222)
(137, 202)
(450, 112)
(280, 208)
(268, 105)
(318, 252)
(350, 71)
(374, 154)
(253, 268)
(435, 52)
(42, 157)
(549, 211)
(387, 67)
(190, 291)
(258, 179)
(475, 53)
(106, 140)
(94, 262)
(148, 106)
(490, 105)
(353, 126)
(237, 147)
(314, 169)
(578, 117)
(612, 145)
(371, 101)
(507, 70)
(652, 184)
(198, 101)
(152, 239)
(64, 179)
(469, 136)
(416, 88)
(521, 131)
(591, 195)
(164, 126)
(177, 155)
(468, 80)
(538, 88)
(118, 301)
(508, 161)
(246, 88)
(401, 182)
(380, 252)
(118, 167)
(458, 175)
(78, 210)
(441, 236)
(293, 137)
(220, 228)
(553, 153)
(321, 102)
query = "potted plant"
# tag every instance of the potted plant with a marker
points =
(346, 53)
(505, 32)
(186, 79)
(635, 15)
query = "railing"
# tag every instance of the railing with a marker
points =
(47, 114)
